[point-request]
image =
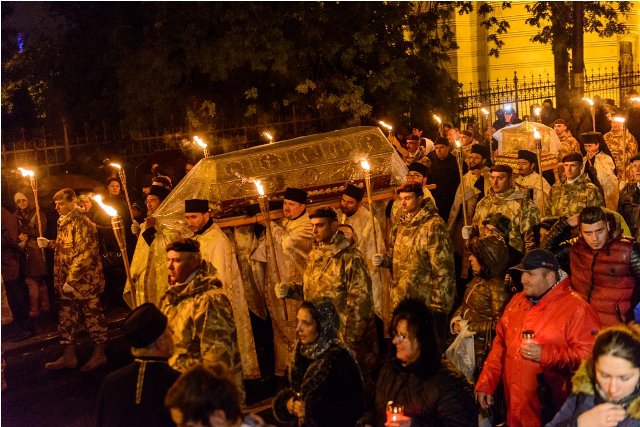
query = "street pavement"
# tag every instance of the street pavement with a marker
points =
(37, 397)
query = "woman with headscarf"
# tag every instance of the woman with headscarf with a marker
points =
(430, 390)
(486, 294)
(325, 384)
(34, 267)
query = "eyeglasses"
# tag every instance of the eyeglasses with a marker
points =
(399, 338)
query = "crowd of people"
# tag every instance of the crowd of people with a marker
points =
(537, 283)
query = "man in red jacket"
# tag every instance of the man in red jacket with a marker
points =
(604, 266)
(560, 327)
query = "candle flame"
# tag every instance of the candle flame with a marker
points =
(437, 119)
(485, 111)
(537, 111)
(536, 134)
(364, 163)
(619, 119)
(457, 143)
(268, 136)
(199, 142)
(259, 186)
(26, 172)
(115, 165)
(588, 100)
(385, 125)
(108, 209)
(635, 99)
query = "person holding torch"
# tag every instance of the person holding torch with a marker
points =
(78, 280)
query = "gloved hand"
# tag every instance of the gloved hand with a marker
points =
(282, 289)
(135, 228)
(466, 232)
(43, 242)
(67, 289)
(377, 259)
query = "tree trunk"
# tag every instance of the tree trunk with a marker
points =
(561, 13)
(577, 51)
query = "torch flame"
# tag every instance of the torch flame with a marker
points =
(364, 163)
(437, 119)
(457, 143)
(635, 99)
(536, 134)
(537, 111)
(588, 100)
(485, 111)
(385, 125)
(108, 209)
(619, 119)
(26, 172)
(115, 165)
(259, 186)
(268, 136)
(199, 142)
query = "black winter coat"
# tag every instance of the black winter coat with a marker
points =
(331, 387)
(440, 398)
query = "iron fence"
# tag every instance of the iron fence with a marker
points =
(522, 92)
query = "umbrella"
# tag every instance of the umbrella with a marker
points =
(52, 183)
(171, 163)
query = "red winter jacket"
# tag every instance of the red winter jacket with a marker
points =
(564, 324)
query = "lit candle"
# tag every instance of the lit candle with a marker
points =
(439, 121)
(123, 179)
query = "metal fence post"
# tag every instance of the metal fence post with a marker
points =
(515, 89)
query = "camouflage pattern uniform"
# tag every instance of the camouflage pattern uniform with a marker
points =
(77, 263)
(338, 271)
(422, 260)
(419, 156)
(532, 182)
(216, 249)
(568, 145)
(518, 207)
(472, 193)
(380, 277)
(615, 142)
(566, 199)
(201, 318)
(292, 242)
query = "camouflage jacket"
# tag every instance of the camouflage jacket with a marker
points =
(629, 206)
(616, 143)
(419, 156)
(566, 199)
(518, 207)
(77, 257)
(532, 182)
(422, 260)
(568, 144)
(337, 270)
(201, 318)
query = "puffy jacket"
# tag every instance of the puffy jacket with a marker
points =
(518, 207)
(565, 326)
(423, 261)
(606, 278)
(584, 399)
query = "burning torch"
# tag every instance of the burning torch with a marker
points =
(118, 230)
(34, 188)
(123, 179)
(439, 121)
(202, 145)
(263, 201)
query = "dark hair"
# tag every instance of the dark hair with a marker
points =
(592, 214)
(572, 157)
(66, 194)
(184, 245)
(411, 187)
(113, 178)
(201, 390)
(325, 212)
(164, 180)
(621, 341)
(420, 326)
(502, 168)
